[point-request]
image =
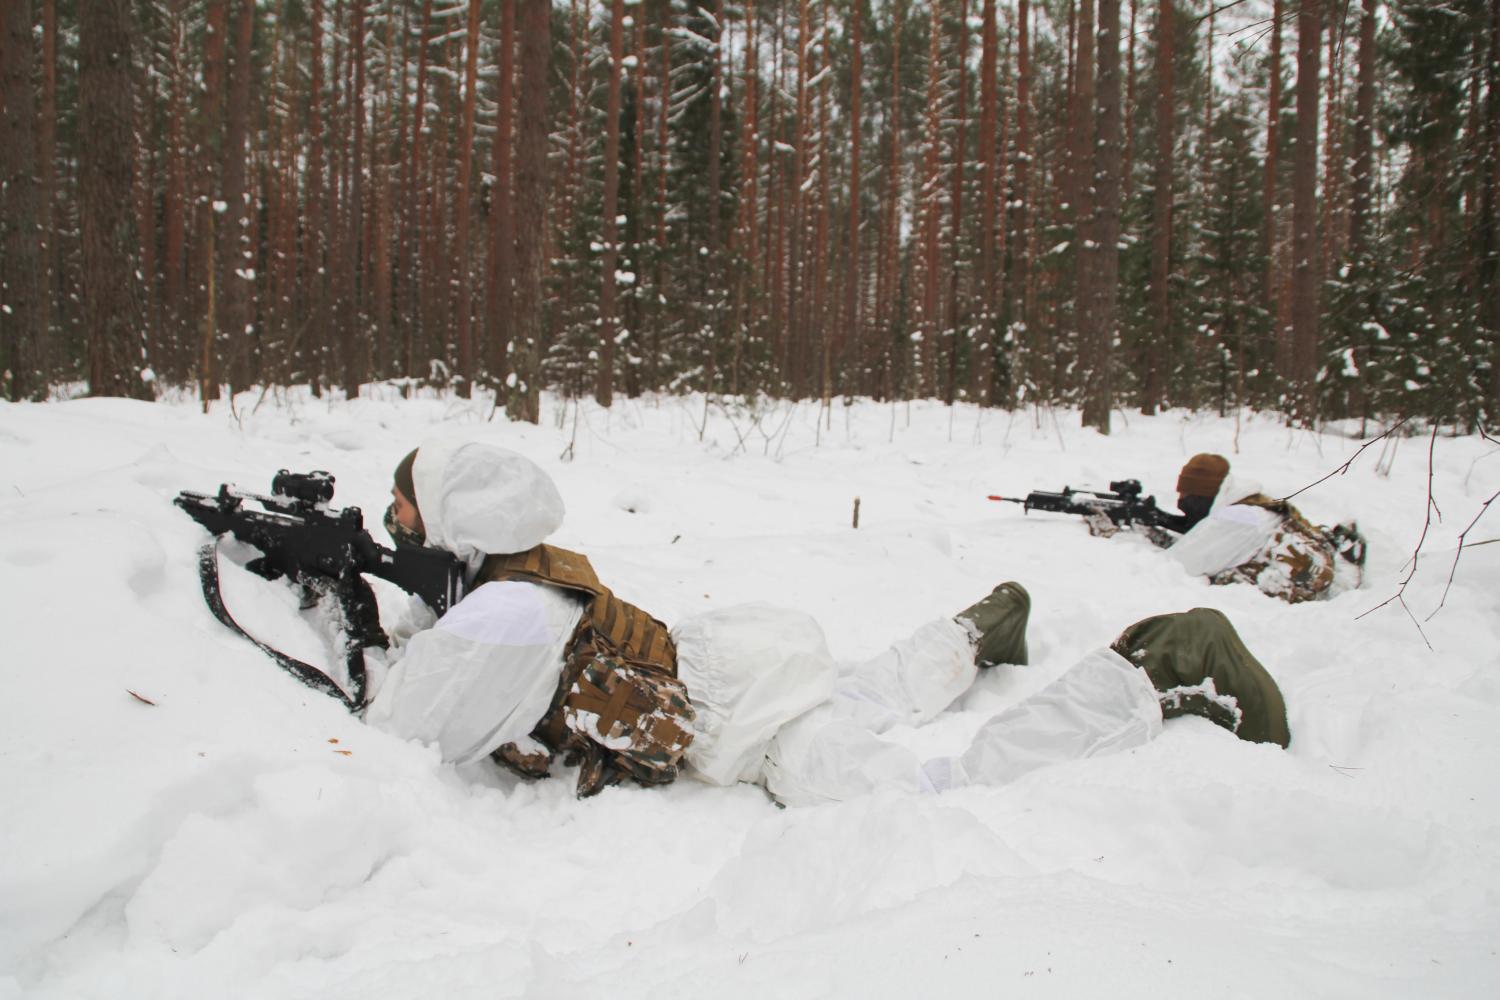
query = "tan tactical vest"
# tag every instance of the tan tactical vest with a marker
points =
(619, 677)
(1296, 565)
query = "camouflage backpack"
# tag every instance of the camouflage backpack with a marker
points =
(1296, 565)
(640, 716)
(619, 711)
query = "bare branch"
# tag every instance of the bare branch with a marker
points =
(1461, 546)
(1400, 595)
(1345, 467)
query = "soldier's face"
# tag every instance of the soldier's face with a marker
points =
(405, 512)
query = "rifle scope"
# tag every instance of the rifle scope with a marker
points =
(311, 488)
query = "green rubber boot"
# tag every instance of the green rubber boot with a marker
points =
(998, 624)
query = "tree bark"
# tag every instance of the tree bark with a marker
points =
(1084, 224)
(106, 165)
(956, 207)
(1489, 216)
(47, 157)
(1306, 257)
(463, 257)
(989, 219)
(1127, 173)
(23, 236)
(1020, 300)
(1103, 312)
(719, 276)
(926, 371)
(352, 326)
(604, 386)
(1160, 332)
(499, 295)
(1273, 141)
(531, 199)
(236, 280)
(1364, 129)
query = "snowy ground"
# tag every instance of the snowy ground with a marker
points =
(245, 837)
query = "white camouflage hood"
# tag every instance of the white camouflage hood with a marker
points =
(1234, 489)
(477, 499)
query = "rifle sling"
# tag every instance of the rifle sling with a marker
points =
(208, 575)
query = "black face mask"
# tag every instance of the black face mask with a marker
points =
(1194, 508)
(400, 532)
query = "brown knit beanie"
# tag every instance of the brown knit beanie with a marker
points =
(1202, 475)
(406, 484)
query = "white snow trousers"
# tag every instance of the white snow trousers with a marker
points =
(773, 708)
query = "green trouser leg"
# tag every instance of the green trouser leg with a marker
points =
(999, 625)
(1183, 650)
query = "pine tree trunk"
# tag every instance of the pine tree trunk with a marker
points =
(416, 233)
(464, 308)
(604, 387)
(382, 213)
(210, 143)
(1082, 158)
(960, 125)
(1022, 365)
(745, 311)
(144, 200)
(235, 286)
(1332, 203)
(1273, 150)
(1127, 172)
(1489, 215)
(663, 169)
(822, 326)
(853, 345)
(47, 155)
(315, 281)
(1160, 332)
(1102, 313)
(22, 234)
(535, 25)
(1362, 182)
(174, 203)
(1306, 267)
(23, 237)
(926, 365)
(718, 275)
(989, 219)
(499, 296)
(352, 325)
(106, 164)
(890, 254)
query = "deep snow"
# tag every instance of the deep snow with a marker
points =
(245, 837)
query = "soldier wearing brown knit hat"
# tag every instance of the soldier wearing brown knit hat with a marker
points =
(1234, 533)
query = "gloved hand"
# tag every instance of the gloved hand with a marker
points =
(362, 615)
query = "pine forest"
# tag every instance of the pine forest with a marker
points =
(1203, 204)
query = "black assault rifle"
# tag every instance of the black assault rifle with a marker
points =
(1123, 505)
(323, 551)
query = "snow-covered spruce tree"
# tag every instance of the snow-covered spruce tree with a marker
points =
(1442, 57)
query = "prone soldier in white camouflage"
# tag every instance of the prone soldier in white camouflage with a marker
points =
(1244, 536)
(539, 658)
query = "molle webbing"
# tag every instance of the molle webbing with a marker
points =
(627, 631)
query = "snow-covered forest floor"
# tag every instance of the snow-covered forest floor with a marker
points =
(241, 836)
